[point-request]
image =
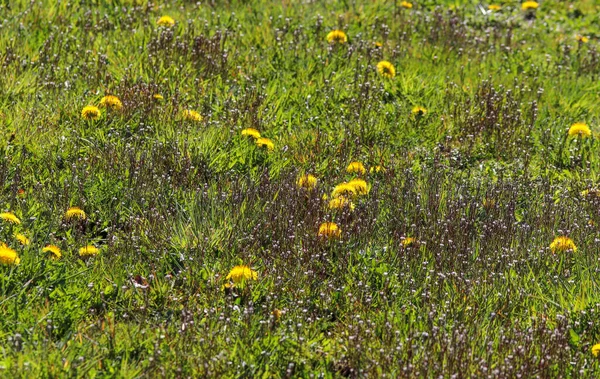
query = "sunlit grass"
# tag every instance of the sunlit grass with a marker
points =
(288, 206)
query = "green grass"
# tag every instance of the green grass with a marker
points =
(484, 182)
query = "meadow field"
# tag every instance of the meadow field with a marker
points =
(313, 189)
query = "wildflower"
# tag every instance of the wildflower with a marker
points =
(166, 21)
(277, 314)
(329, 230)
(10, 217)
(579, 129)
(419, 111)
(111, 102)
(409, 241)
(337, 36)
(527, 5)
(360, 186)
(191, 115)
(90, 112)
(265, 142)
(239, 274)
(562, 244)
(75, 213)
(494, 7)
(356, 168)
(88, 251)
(378, 44)
(21, 193)
(53, 250)
(377, 169)
(582, 39)
(343, 189)
(406, 4)
(8, 256)
(340, 203)
(596, 349)
(158, 96)
(386, 69)
(251, 132)
(22, 239)
(308, 181)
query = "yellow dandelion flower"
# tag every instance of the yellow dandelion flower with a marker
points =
(406, 4)
(191, 115)
(360, 186)
(562, 244)
(579, 129)
(10, 217)
(596, 349)
(494, 7)
(277, 314)
(90, 112)
(112, 102)
(343, 189)
(53, 250)
(378, 44)
(8, 256)
(75, 213)
(265, 142)
(356, 168)
(377, 169)
(419, 111)
(409, 241)
(329, 230)
(251, 132)
(88, 251)
(340, 203)
(166, 21)
(157, 96)
(239, 274)
(582, 39)
(337, 36)
(386, 69)
(22, 239)
(527, 5)
(308, 181)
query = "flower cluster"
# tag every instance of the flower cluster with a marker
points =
(9, 256)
